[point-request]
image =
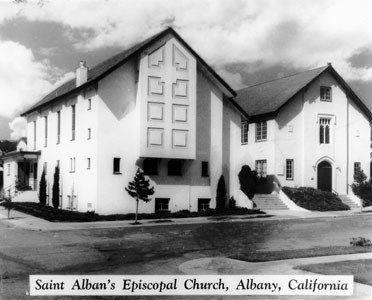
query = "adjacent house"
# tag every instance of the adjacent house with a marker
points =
(308, 129)
(156, 106)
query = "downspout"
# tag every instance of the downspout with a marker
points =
(347, 148)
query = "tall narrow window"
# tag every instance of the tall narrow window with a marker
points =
(356, 169)
(46, 130)
(34, 135)
(116, 165)
(73, 113)
(8, 169)
(204, 169)
(289, 165)
(261, 131)
(89, 104)
(244, 132)
(261, 168)
(88, 163)
(72, 164)
(58, 127)
(45, 168)
(324, 130)
(89, 133)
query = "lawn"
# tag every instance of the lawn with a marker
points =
(61, 215)
(361, 269)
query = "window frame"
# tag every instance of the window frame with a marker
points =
(162, 209)
(58, 127)
(205, 169)
(358, 165)
(88, 163)
(244, 129)
(202, 204)
(116, 163)
(260, 126)
(326, 123)
(89, 134)
(46, 131)
(148, 167)
(323, 91)
(261, 174)
(175, 162)
(72, 164)
(35, 134)
(289, 170)
(89, 104)
(73, 122)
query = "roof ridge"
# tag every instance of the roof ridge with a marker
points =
(272, 80)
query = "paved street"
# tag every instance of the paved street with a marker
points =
(161, 249)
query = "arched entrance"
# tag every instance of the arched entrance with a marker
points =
(325, 176)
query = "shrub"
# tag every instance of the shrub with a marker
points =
(313, 199)
(42, 189)
(362, 188)
(55, 195)
(221, 195)
(232, 203)
(248, 181)
(360, 242)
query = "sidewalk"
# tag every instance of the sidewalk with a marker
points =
(25, 221)
(223, 265)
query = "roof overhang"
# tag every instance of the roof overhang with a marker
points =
(20, 155)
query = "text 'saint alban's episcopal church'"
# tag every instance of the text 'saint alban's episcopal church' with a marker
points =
(159, 107)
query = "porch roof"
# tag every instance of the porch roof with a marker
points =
(20, 155)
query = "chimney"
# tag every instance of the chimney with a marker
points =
(81, 74)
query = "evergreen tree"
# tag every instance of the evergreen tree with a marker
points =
(55, 195)
(221, 195)
(139, 189)
(42, 189)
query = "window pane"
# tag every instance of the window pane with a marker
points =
(116, 165)
(204, 167)
(327, 134)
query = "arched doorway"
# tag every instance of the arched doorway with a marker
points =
(325, 176)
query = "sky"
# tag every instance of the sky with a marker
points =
(245, 41)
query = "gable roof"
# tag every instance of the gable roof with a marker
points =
(106, 67)
(268, 97)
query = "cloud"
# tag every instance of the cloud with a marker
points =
(18, 128)
(299, 34)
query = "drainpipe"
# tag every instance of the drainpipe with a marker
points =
(347, 148)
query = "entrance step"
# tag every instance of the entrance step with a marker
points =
(269, 202)
(346, 200)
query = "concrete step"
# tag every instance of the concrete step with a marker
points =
(26, 196)
(346, 200)
(269, 202)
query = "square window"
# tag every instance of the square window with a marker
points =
(175, 167)
(150, 166)
(203, 204)
(116, 165)
(204, 169)
(244, 132)
(289, 169)
(261, 131)
(162, 204)
(325, 93)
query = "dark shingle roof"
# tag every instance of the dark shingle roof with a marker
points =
(269, 96)
(101, 70)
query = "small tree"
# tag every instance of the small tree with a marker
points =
(55, 195)
(221, 195)
(42, 189)
(248, 181)
(139, 189)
